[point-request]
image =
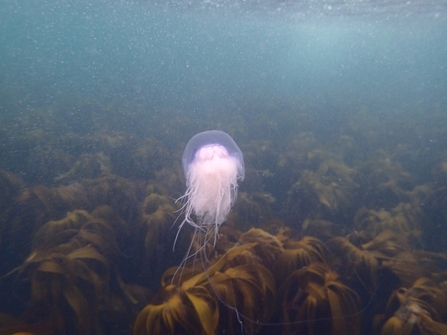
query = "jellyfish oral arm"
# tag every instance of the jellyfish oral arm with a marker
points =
(211, 185)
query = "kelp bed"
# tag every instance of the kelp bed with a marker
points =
(336, 231)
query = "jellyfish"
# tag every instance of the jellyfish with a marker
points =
(213, 164)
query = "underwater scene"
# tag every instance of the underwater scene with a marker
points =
(312, 201)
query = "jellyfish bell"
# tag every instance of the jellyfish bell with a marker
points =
(212, 164)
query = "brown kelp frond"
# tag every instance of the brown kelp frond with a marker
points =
(388, 250)
(280, 230)
(194, 274)
(87, 166)
(387, 244)
(356, 263)
(117, 223)
(296, 156)
(156, 214)
(322, 229)
(67, 235)
(123, 195)
(156, 210)
(406, 266)
(402, 219)
(228, 238)
(246, 290)
(297, 254)
(155, 233)
(31, 209)
(193, 298)
(68, 289)
(184, 309)
(73, 270)
(387, 181)
(333, 184)
(73, 220)
(427, 290)
(238, 255)
(145, 160)
(416, 310)
(252, 209)
(325, 193)
(393, 251)
(315, 301)
(268, 247)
